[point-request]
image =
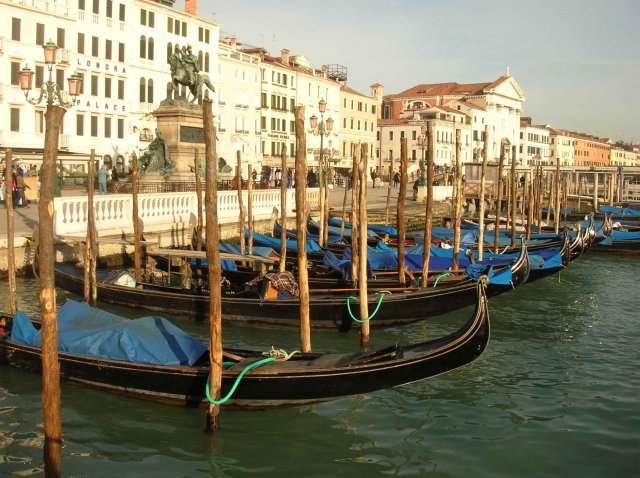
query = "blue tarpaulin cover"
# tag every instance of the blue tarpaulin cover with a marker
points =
(619, 211)
(377, 228)
(87, 331)
(292, 244)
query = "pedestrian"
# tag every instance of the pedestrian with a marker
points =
(289, 178)
(20, 187)
(114, 174)
(103, 174)
(396, 179)
(373, 178)
(415, 189)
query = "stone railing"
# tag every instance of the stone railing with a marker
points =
(162, 212)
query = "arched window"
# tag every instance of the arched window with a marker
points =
(200, 58)
(107, 160)
(143, 90)
(206, 62)
(143, 46)
(150, 91)
(169, 50)
(150, 49)
(120, 163)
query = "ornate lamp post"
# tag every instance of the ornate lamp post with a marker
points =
(50, 365)
(422, 143)
(323, 128)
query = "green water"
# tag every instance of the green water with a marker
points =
(556, 394)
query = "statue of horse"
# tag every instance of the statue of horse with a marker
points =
(180, 76)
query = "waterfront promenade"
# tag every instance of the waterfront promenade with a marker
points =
(25, 219)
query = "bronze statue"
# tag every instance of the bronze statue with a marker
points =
(156, 158)
(185, 70)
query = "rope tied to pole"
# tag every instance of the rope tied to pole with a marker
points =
(382, 294)
(270, 356)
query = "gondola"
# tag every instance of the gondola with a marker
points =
(302, 379)
(328, 309)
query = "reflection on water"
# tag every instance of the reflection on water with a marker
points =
(555, 394)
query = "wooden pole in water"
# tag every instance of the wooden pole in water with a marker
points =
(496, 241)
(457, 204)
(556, 206)
(89, 252)
(11, 258)
(213, 265)
(540, 193)
(386, 209)
(428, 221)
(325, 237)
(301, 225)
(355, 184)
(364, 304)
(135, 185)
(250, 210)
(320, 194)
(240, 202)
(549, 187)
(514, 195)
(199, 224)
(49, 330)
(483, 179)
(400, 225)
(530, 203)
(344, 205)
(565, 195)
(283, 212)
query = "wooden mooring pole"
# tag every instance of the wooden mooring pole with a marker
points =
(11, 253)
(240, 203)
(514, 194)
(400, 225)
(135, 186)
(364, 304)
(355, 184)
(428, 221)
(496, 231)
(301, 225)
(49, 330)
(457, 205)
(213, 266)
(283, 213)
(483, 180)
(90, 246)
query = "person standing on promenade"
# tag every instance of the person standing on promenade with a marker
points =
(103, 174)
(20, 187)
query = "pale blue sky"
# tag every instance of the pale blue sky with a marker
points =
(577, 61)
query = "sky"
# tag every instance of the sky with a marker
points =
(577, 61)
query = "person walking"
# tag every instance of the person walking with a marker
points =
(396, 179)
(114, 174)
(103, 174)
(20, 187)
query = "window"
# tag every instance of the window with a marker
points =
(123, 10)
(109, 8)
(81, 5)
(79, 124)
(143, 46)
(60, 38)
(143, 16)
(143, 90)
(81, 43)
(150, 91)
(107, 127)
(39, 121)
(94, 85)
(169, 25)
(107, 87)
(39, 33)
(206, 36)
(107, 49)
(184, 29)
(94, 126)
(150, 49)
(95, 49)
(151, 19)
(15, 118)
(200, 33)
(176, 27)
(60, 78)
(15, 73)
(391, 135)
(120, 128)
(206, 62)
(121, 89)
(121, 52)
(39, 75)
(15, 29)
(82, 84)
(96, 7)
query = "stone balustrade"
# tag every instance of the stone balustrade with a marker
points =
(162, 212)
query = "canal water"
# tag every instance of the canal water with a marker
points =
(557, 393)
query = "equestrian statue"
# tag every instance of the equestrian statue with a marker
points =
(185, 70)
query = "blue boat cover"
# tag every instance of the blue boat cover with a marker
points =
(377, 228)
(292, 244)
(625, 235)
(619, 211)
(87, 331)
(335, 231)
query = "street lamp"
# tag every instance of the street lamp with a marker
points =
(423, 142)
(50, 89)
(56, 108)
(323, 128)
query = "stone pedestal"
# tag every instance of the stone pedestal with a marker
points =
(181, 125)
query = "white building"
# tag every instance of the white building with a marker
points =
(119, 48)
(534, 143)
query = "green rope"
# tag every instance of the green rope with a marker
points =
(371, 316)
(444, 274)
(237, 382)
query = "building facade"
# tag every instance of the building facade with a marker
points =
(120, 49)
(534, 144)
(359, 125)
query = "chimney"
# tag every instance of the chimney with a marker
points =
(284, 56)
(191, 7)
